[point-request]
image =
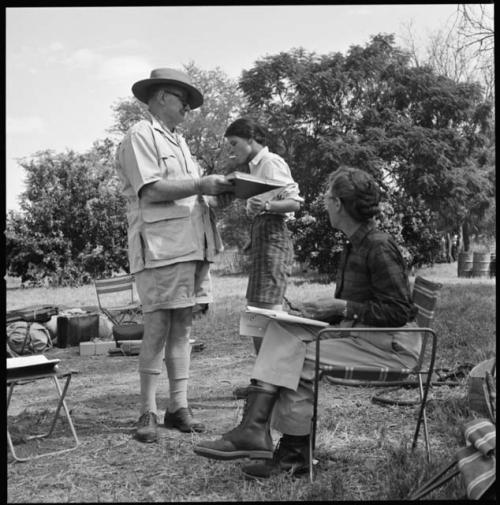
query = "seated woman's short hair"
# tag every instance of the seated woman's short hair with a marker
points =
(357, 190)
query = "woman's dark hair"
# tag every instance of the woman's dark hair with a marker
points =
(358, 191)
(247, 128)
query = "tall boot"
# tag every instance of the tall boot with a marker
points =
(291, 455)
(252, 437)
(241, 392)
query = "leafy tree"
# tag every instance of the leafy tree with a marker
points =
(409, 127)
(204, 127)
(72, 225)
(463, 51)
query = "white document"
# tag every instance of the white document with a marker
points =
(35, 361)
(281, 315)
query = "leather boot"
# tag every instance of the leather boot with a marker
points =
(241, 392)
(252, 437)
(289, 456)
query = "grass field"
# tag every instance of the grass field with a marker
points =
(362, 448)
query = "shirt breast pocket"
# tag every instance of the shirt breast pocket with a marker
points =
(171, 166)
(167, 233)
(170, 163)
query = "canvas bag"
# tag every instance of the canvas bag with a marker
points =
(19, 342)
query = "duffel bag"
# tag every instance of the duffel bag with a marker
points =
(25, 339)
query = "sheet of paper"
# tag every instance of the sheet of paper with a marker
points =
(36, 360)
(281, 315)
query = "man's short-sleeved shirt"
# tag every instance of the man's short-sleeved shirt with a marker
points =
(167, 232)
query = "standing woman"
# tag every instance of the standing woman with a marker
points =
(271, 250)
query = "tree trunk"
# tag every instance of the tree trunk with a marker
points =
(465, 236)
(460, 240)
(448, 247)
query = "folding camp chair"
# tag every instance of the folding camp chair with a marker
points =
(124, 311)
(425, 295)
(26, 375)
(117, 299)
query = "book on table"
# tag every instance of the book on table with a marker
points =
(248, 185)
(36, 364)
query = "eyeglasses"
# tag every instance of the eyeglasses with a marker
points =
(180, 97)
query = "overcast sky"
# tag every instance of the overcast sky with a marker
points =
(65, 67)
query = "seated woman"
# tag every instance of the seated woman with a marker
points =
(372, 289)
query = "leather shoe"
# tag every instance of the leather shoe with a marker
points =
(182, 420)
(147, 428)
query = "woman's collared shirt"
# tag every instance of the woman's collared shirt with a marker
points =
(270, 165)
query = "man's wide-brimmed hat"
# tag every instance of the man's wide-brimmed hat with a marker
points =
(168, 76)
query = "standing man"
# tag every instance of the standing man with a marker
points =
(172, 238)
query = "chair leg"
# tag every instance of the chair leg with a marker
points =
(437, 481)
(62, 403)
(422, 417)
(110, 316)
(312, 438)
(311, 458)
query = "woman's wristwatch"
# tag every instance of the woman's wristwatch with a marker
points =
(267, 206)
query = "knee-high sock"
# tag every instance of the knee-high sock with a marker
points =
(177, 359)
(149, 384)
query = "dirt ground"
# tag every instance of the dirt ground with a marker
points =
(109, 465)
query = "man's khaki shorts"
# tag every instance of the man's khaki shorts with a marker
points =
(174, 286)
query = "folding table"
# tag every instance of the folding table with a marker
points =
(35, 368)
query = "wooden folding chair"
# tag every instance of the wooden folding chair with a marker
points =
(31, 374)
(425, 295)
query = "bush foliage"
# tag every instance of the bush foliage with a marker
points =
(72, 227)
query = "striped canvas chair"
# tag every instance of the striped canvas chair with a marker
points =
(425, 295)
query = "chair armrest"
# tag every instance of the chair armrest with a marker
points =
(371, 329)
(342, 332)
